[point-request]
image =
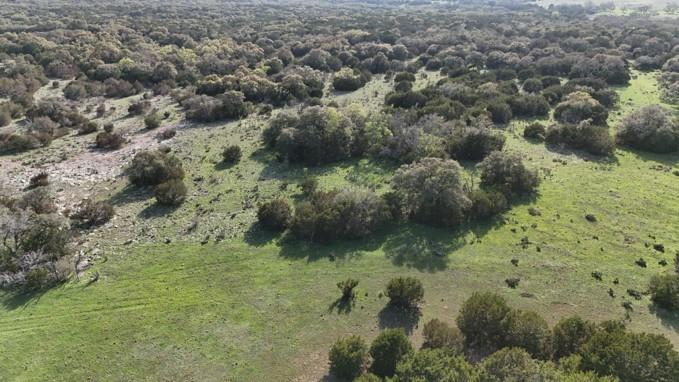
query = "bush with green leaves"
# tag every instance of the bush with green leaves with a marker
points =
(387, 350)
(529, 331)
(171, 192)
(368, 377)
(275, 215)
(40, 200)
(487, 203)
(90, 213)
(482, 320)
(152, 120)
(405, 292)
(473, 142)
(439, 335)
(434, 365)
(349, 80)
(568, 336)
(232, 154)
(664, 291)
(534, 131)
(109, 140)
(585, 135)
(228, 105)
(333, 215)
(651, 128)
(348, 357)
(347, 287)
(431, 191)
(506, 173)
(319, 135)
(631, 357)
(152, 167)
(580, 106)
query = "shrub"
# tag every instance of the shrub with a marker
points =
(406, 100)
(665, 291)
(405, 292)
(229, 105)
(48, 233)
(40, 179)
(275, 215)
(585, 135)
(333, 215)
(139, 107)
(172, 192)
(109, 140)
(630, 357)
(348, 80)
(152, 120)
(39, 200)
(439, 335)
(528, 106)
(431, 365)
(309, 185)
(487, 203)
(387, 350)
(154, 167)
(580, 106)
(529, 331)
(532, 85)
(348, 357)
(568, 336)
(431, 191)
(347, 287)
(88, 127)
(232, 154)
(534, 131)
(90, 213)
(507, 173)
(319, 135)
(368, 377)
(482, 320)
(650, 128)
(473, 143)
(500, 112)
(510, 364)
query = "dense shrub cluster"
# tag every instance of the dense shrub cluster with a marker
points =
(651, 128)
(275, 215)
(585, 135)
(162, 170)
(515, 345)
(332, 215)
(90, 213)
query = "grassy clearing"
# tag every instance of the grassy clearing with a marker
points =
(256, 307)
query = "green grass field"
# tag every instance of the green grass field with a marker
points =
(253, 307)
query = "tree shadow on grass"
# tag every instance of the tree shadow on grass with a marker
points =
(342, 305)
(156, 210)
(257, 236)
(667, 159)
(392, 316)
(131, 194)
(23, 298)
(293, 248)
(562, 149)
(668, 318)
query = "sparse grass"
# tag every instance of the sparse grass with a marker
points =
(257, 307)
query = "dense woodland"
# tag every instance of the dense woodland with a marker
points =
(498, 61)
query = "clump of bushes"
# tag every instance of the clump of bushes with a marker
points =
(431, 191)
(650, 128)
(154, 167)
(349, 80)
(439, 335)
(152, 120)
(275, 215)
(348, 357)
(91, 213)
(171, 192)
(535, 131)
(40, 179)
(405, 292)
(109, 140)
(228, 105)
(332, 215)
(664, 291)
(387, 350)
(584, 135)
(506, 173)
(579, 106)
(232, 154)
